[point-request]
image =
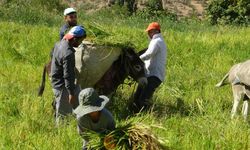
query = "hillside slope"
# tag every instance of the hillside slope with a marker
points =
(183, 8)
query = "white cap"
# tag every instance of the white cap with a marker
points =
(68, 11)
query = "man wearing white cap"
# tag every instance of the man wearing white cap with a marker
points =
(70, 18)
(91, 114)
(63, 72)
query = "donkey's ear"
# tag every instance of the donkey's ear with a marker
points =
(142, 51)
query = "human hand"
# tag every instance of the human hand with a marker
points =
(109, 142)
(73, 101)
(143, 81)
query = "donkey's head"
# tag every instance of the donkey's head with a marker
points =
(132, 63)
(128, 64)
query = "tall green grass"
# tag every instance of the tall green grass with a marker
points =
(193, 112)
(32, 11)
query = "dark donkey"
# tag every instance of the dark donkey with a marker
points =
(128, 64)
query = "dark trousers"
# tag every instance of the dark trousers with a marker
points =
(143, 95)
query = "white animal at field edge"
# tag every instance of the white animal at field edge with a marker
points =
(239, 78)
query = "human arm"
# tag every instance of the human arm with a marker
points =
(62, 31)
(111, 124)
(69, 77)
(61, 35)
(151, 51)
(85, 138)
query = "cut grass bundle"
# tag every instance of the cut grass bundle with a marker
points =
(128, 135)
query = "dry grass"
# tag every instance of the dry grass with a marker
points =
(128, 135)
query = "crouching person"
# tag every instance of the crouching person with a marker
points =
(91, 114)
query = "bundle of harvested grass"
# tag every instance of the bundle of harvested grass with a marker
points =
(127, 136)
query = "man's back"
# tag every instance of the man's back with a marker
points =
(62, 66)
(106, 122)
(155, 57)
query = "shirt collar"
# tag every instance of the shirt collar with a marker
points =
(157, 36)
(71, 48)
(66, 25)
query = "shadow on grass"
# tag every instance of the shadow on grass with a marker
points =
(169, 109)
(119, 106)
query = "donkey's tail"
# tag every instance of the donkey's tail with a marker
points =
(42, 85)
(223, 81)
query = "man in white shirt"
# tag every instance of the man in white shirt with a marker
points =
(155, 64)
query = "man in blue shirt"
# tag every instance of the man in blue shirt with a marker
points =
(70, 18)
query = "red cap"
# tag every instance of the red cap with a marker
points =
(68, 36)
(153, 25)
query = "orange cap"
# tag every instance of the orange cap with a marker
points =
(153, 25)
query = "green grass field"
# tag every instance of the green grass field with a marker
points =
(194, 113)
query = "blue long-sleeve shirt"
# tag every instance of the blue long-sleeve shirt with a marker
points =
(63, 30)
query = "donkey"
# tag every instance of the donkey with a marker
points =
(127, 64)
(239, 77)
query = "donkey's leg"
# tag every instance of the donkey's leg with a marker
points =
(237, 94)
(245, 109)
